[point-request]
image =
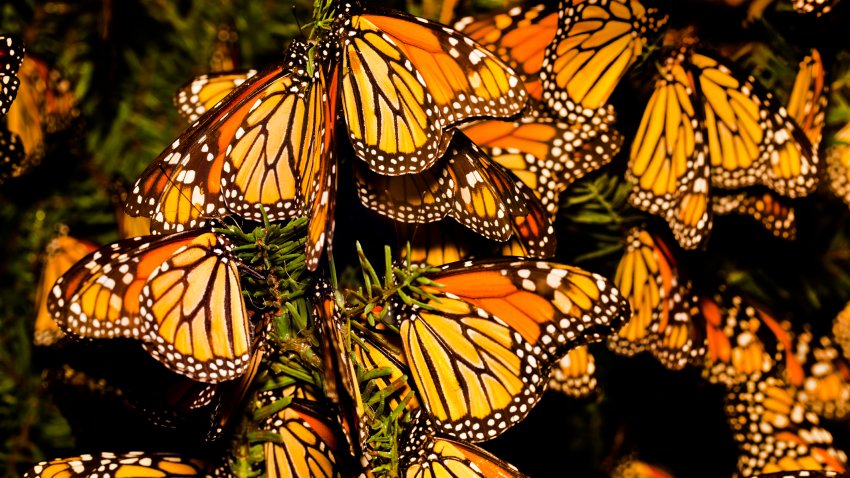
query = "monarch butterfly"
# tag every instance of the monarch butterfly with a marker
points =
(546, 154)
(773, 212)
(232, 160)
(425, 454)
(62, 252)
(480, 349)
(179, 294)
(775, 432)
(11, 55)
(745, 342)
(825, 387)
(532, 235)
(807, 102)
(575, 373)
(340, 379)
(202, 93)
(700, 130)
(465, 185)
(135, 463)
(308, 443)
(45, 104)
(405, 81)
(595, 43)
(518, 36)
(665, 319)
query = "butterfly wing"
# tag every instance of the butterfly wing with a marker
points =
(744, 342)
(668, 162)
(547, 303)
(179, 294)
(645, 277)
(11, 56)
(340, 379)
(249, 152)
(751, 139)
(428, 455)
(518, 36)
(307, 444)
(63, 252)
(575, 373)
(546, 154)
(465, 185)
(474, 374)
(596, 42)
(405, 80)
(825, 386)
(775, 432)
(137, 463)
(773, 212)
(322, 177)
(12, 154)
(807, 103)
(681, 337)
(838, 165)
(818, 7)
(202, 93)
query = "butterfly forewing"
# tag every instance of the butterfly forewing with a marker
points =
(596, 42)
(550, 304)
(518, 36)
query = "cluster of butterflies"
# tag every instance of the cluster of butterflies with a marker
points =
(485, 123)
(779, 381)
